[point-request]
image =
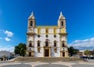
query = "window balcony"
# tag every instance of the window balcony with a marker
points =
(30, 49)
(64, 49)
(63, 33)
(30, 33)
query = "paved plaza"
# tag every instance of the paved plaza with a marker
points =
(83, 65)
(51, 65)
(17, 65)
(47, 64)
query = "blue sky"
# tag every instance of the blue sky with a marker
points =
(79, 16)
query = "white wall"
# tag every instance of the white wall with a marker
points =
(42, 40)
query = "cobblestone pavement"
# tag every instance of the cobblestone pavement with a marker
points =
(49, 64)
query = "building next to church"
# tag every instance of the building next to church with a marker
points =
(47, 41)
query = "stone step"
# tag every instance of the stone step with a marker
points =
(45, 59)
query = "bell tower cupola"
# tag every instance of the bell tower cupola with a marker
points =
(61, 21)
(31, 21)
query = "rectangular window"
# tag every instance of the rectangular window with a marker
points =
(46, 43)
(30, 44)
(38, 43)
(55, 43)
(54, 35)
(55, 50)
(63, 44)
(38, 49)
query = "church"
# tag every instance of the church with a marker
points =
(47, 41)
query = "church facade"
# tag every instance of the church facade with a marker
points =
(47, 41)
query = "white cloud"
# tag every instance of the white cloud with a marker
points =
(7, 39)
(83, 44)
(8, 33)
(7, 48)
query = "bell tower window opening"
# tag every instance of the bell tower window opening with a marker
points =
(62, 23)
(31, 23)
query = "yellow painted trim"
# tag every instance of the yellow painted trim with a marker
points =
(63, 30)
(38, 30)
(47, 27)
(55, 31)
(46, 30)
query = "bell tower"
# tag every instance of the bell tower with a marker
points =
(30, 35)
(31, 21)
(61, 21)
(63, 35)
